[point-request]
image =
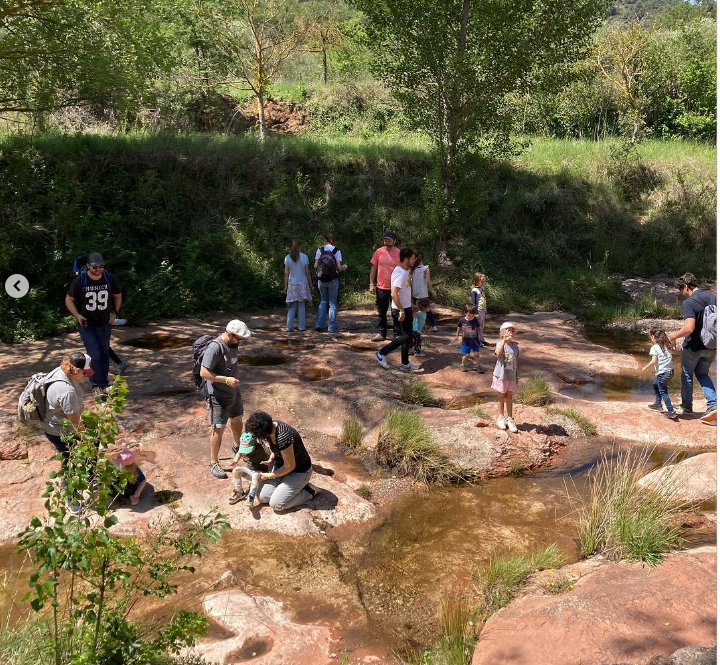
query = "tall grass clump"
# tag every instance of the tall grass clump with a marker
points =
(352, 432)
(647, 307)
(535, 392)
(507, 574)
(25, 642)
(623, 520)
(587, 426)
(405, 444)
(415, 391)
(456, 642)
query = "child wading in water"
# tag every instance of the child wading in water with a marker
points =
(661, 358)
(256, 460)
(468, 325)
(423, 310)
(505, 375)
(478, 298)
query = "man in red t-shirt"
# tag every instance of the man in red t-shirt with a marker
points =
(383, 262)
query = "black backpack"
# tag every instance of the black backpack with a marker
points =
(200, 345)
(327, 265)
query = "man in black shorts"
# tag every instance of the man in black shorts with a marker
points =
(220, 369)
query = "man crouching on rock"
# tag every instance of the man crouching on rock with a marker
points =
(220, 369)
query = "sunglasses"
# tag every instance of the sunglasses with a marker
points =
(97, 267)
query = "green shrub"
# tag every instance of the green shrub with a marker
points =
(506, 574)
(535, 392)
(352, 432)
(404, 444)
(623, 520)
(415, 391)
(587, 427)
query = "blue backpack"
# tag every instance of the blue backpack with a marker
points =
(80, 268)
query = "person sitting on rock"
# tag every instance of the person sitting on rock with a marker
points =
(136, 482)
(287, 485)
(256, 461)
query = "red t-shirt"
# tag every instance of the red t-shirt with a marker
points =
(386, 260)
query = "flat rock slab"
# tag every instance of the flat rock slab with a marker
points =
(616, 613)
(695, 478)
(262, 632)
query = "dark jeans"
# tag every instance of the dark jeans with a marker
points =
(382, 302)
(431, 318)
(661, 391)
(403, 340)
(97, 345)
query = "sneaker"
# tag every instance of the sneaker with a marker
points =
(122, 367)
(433, 328)
(236, 497)
(119, 322)
(418, 354)
(479, 370)
(501, 422)
(378, 338)
(655, 407)
(671, 415)
(381, 360)
(463, 367)
(511, 425)
(410, 367)
(683, 410)
(709, 413)
(217, 471)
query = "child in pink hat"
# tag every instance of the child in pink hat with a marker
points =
(136, 482)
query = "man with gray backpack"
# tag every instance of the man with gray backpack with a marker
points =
(699, 347)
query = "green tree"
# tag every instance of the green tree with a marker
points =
(59, 53)
(452, 63)
(92, 579)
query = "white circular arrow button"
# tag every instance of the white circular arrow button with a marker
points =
(17, 286)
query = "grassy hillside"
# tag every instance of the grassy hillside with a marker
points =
(198, 223)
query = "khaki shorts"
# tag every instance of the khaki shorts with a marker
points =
(222, 409)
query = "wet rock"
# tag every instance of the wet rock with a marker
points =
(616, 613)
(695, 478)
(263, 632)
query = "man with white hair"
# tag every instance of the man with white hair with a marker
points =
(220, 370)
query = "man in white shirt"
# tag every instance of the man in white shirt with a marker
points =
(401, 295)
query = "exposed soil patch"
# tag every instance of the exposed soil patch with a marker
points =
(158, 340)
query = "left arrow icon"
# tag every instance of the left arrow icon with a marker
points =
(17, 286)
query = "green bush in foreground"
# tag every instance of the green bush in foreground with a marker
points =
(623, 520)
(404, 444)
(506, 574)
(535, 392)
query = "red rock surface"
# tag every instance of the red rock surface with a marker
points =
(616, 613)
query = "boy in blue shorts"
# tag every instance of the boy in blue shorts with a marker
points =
(469, 328)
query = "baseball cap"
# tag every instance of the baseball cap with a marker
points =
(236, 327)
(82, 361)
(506, 325)
(125, 457)
(389, 234)
(247, 443)
(95, 259)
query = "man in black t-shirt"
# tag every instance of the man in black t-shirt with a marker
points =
(94, 299)
(695, 357)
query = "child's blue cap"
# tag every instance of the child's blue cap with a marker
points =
(247, 443)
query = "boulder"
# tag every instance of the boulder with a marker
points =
(696, 478)
(616, 613)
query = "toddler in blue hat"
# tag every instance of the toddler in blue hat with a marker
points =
(257, 458)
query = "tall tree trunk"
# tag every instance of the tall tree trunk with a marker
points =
(325, 67)
(261, 114)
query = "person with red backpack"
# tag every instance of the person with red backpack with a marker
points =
(699, 347)
(94, 299)
(328, 266)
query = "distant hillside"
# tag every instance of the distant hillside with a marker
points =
(629, 9)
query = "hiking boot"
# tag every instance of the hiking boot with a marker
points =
(655, 407)
(463, 367)
(236, 497)
(410, 367)
(511, 425)
(217, 471)
(671, 415)
(501, 422)
(122, 367)
(378, 338)
(683, 410)
(382, 361)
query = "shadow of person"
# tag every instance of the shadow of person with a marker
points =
(546, 430)
(323, 500)
(323, 471)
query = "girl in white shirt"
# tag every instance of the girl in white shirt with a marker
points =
(661, 358)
